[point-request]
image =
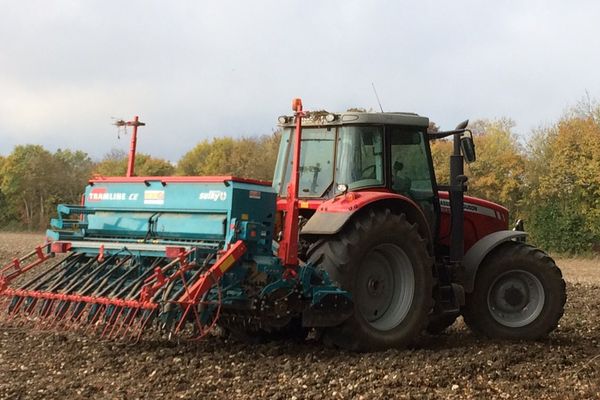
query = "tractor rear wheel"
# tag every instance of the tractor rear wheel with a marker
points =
(519, 294)
(381, 259)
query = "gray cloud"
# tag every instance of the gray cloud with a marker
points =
(195, 69)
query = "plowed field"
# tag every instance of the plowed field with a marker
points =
(59, 365)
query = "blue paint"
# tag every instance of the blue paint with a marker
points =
(141, 219)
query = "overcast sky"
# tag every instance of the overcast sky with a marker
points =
(195, 69)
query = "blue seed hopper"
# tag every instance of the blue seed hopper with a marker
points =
(178, 253)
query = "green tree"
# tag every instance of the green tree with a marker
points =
(4, 214)
(28, 185)
(245, 157)
(563, 184)
(114, 163)
(499, 172)
(73, 170)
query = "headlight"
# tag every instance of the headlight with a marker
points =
(342, 188)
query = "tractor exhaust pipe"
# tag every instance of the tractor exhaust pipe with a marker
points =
(457, 201)
(458, 186)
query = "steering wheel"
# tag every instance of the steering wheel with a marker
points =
(371, 175)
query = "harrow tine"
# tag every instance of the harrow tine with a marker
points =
(108, 321)
(119, 297)
(93, 317)
(142, 325)
(4, 305)
(14, 307)
(114, 332)
(79, 314)
(198, 325)
(130, 324)
(65, 321)
(115, 321)
(29, 309)
(47, 318)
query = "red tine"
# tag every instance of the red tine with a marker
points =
(30, 308)
(118, 318)
(15, 310)
(142, 325)
(187, 310)
(74, 322)
(129, 324)
(61, 308)
(111, 319)
(6, 316)
(93, 324)
(182, 319)
(46, 319)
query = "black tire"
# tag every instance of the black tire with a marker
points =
(374, 246)
(439, 323)
(519, 294)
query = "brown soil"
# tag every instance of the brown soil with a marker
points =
(54, 365)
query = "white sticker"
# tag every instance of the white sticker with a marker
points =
(156, 197)
(214, 195)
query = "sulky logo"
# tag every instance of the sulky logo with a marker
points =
(214, 195)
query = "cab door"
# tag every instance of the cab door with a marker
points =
(410, 169)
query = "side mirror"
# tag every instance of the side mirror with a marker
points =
(468, 149)
(462, 125)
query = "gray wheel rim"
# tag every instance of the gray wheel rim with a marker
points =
(385, 286)
(516, 298)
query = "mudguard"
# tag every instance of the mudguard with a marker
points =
(332, 215)
(325, 223)
(481, 249)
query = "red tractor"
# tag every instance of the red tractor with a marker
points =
(414, 254)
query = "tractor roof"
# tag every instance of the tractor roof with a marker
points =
(320, 118)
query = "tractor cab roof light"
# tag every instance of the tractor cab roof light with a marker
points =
(330, 117)
(342, 188)
(283, 119)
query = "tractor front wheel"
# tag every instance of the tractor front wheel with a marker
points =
(519, 294)
(381, 259)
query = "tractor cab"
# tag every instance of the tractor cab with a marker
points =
(356, 151)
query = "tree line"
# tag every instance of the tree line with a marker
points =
(552, 180)
(33, 180)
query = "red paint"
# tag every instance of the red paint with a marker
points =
(174, 251)
(477, 225)
(60, 247)
(353, 201)
(93, 196)
(288, 246)
(19, 266)
(303, 204)
(131, 163)
(206, 281)
(79, 298)
(177, 179)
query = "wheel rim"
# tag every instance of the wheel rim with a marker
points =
(516, 298)
(386, 286)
